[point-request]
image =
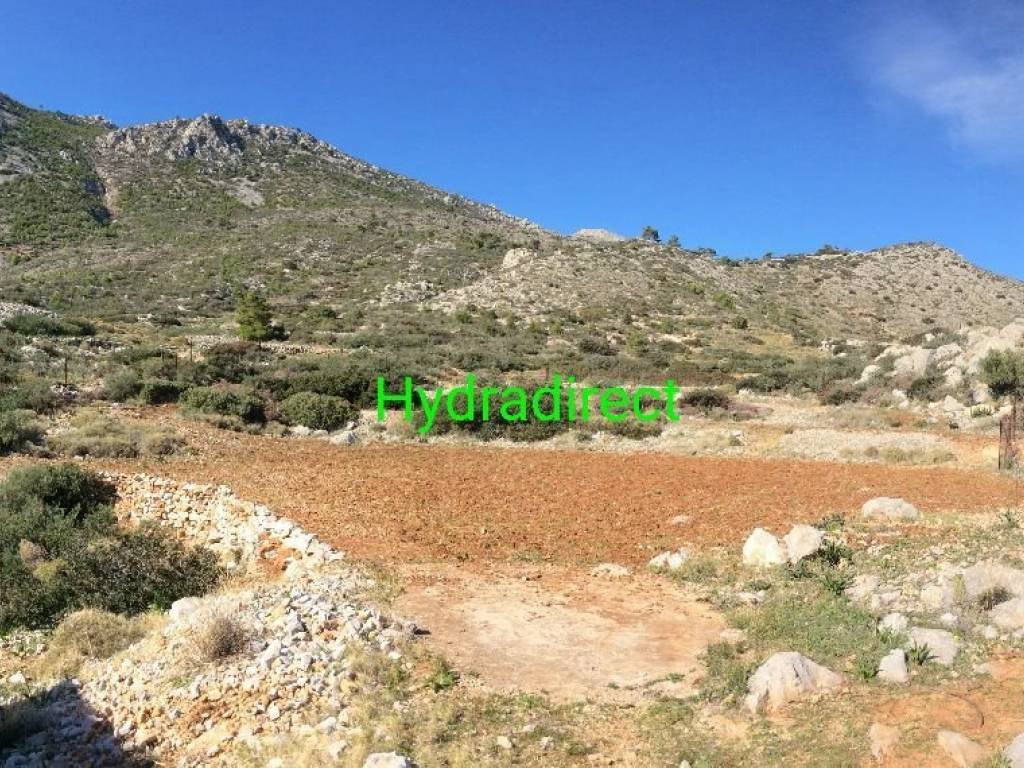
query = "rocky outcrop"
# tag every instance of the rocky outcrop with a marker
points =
(889, 509)
(303, 634)
(786, 677)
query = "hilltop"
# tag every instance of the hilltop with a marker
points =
(175, 218)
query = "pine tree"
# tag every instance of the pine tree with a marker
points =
(253, 317)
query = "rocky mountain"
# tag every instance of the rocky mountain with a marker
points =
(176, 217)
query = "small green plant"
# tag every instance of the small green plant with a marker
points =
(832, 523)
(865, 668)
(728, 671)
(442, 676)
(834, 552)
(835, 582)
(1010, 520)
(919, 654)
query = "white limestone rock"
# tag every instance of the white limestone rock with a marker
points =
(763, 550)
(786, 677)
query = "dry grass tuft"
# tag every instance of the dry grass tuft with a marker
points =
(87, 635)
(222, 637)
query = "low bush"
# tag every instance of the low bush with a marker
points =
(159, 391)
(61, 550)
(86, 635)
(122, 386)
(18, 431)
(231, 401)
(44, 325)
(318, 411)
(631, 429)
(220, 637)
(28, 395)
(927, 388)
(95, 434)
(840, 395)
(706, 400)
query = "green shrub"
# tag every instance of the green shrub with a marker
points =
(132, 571)
(706, 400)
(122, 386)
(839, 395)
(18, 430)
(29, 395)
(95, 434)
(318, 411)
(593, 345)
(232, 401)
(159, 391)
(926, 387)
(230, 363)
(631, 429)
(61, 550)
(44, 325)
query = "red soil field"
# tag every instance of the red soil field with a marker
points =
(467, 503)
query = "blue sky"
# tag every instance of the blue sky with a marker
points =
(743, 126)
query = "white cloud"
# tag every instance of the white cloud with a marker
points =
(966, 69)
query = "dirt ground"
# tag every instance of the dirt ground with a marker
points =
(567, 635)
(413, 503)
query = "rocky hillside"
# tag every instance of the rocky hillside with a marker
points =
(177, 217)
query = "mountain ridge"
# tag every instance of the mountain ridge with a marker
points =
(180, 215)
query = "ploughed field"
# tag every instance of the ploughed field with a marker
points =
(416, 503)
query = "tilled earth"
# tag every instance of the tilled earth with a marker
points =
(417, 503)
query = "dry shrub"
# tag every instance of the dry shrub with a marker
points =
(31, 554)
(223, 635)
(86, 635)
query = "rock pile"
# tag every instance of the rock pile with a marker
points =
(300, 635)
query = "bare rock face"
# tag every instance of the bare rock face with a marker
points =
(670, 561)
(208, 138)
(388, 760)
(598, 236)
(786, 677)
(960, 749)
(763, 550)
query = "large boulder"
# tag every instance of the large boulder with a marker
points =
(889, 509)
(893, 667)
(943, 645)
(991, 574)
(803, 541)
(763, 550)
(670, 561)
(786, 677)
(1009, 616)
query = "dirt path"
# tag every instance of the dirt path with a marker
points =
(567, 635)
(412, 503)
